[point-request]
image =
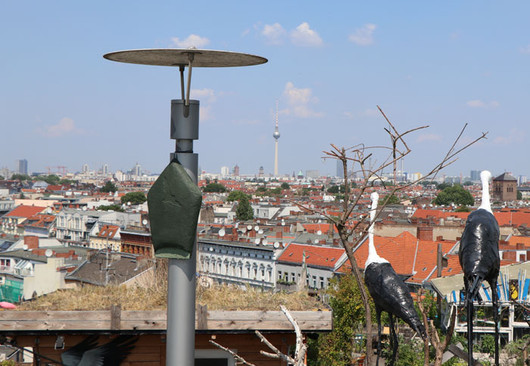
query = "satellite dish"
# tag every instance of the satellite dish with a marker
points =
(144, 222)
(256, 227)
(256, 241)
(244, 230)
(48, 253)
(25, 247)
(249, 227)
(84, 208)
(319, 232)
(276, 245)
(222, 232)
(236, 225)
(316, 241)
(260, 231)
(283, 222)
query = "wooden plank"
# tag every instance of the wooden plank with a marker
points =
(156, 320)
(115, 317)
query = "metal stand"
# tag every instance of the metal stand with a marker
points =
(180, 346)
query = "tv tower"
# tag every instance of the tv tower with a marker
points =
(276, 136)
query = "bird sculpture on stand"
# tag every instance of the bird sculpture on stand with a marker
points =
(480, 261)
(388, 291)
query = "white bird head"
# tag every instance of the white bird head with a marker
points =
(485, 176)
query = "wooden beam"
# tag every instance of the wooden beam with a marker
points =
(155, 320)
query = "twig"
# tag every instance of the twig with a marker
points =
(236, 356)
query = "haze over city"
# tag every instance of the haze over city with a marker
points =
(438, 64)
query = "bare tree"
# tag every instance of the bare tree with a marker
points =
(352, 230)
(439, 347)
(300, 351)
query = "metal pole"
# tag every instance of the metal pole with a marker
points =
(180, 343)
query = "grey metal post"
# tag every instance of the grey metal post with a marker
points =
(180, 342)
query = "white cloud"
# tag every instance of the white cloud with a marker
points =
(273, 33)
(371, 112)
(525, 49)
(477, 103)
(303, 35)
(429, 137)
(299, 101)
(201, 94)
(63, 127)
(514, 136)
(363, 36)
(193, 40)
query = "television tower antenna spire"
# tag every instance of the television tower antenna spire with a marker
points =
(276, 136)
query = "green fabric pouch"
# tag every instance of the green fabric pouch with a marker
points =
(174, 203)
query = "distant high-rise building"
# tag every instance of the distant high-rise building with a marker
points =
(261, 172)
(85, 168)
(23, 166)
(105, 169)
(340, 169)
(276, 136)
(137, 170)
(236, 171)
(522, 179)
(225, 171)
(475, 175)
(312, 174)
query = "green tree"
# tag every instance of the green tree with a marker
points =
(236, 196)
(244, 210)
(337, 347)
(285, 185)
(389, 200)
(455, 194)
(51, 179)
(110, 207)
(109, 187)
(214, 188)
(20, 177)
(2, 177)
(443, 186)
(135, 198)
(519, 195)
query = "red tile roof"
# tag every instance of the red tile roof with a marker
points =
(315, 255)
(407, 254)
(25, 211)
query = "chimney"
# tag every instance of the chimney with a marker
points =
(439, 238)
(520, 246)
(424, 233)
(31, 241)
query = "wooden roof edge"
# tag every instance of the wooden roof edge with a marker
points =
(155, 320)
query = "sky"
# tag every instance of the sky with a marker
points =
(442, 64)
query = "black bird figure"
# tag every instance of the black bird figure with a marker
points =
(480, 261)
(88, 353)
(388, 290)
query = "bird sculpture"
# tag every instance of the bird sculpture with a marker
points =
(88, 353)
(480, 261)
(388, 291)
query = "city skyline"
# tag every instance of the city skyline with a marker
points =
(435, 64)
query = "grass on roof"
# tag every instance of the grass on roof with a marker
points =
(152, 295)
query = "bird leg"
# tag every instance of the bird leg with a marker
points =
(378, 315)
(469, 330)
(394, 340)
(495, 300)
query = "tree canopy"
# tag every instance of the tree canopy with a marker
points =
(285, 185)
(244, 210)
(389, 200)
(109, 187)
(236, 195)
(214, 188)
(454, 194)
(135, 198)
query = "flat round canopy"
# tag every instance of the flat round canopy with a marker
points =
(181, 57)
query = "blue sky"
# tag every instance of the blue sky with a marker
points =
(441, 64)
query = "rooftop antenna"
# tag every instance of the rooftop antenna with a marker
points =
(180, 343)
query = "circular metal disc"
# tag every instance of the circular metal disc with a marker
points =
(180, 57)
